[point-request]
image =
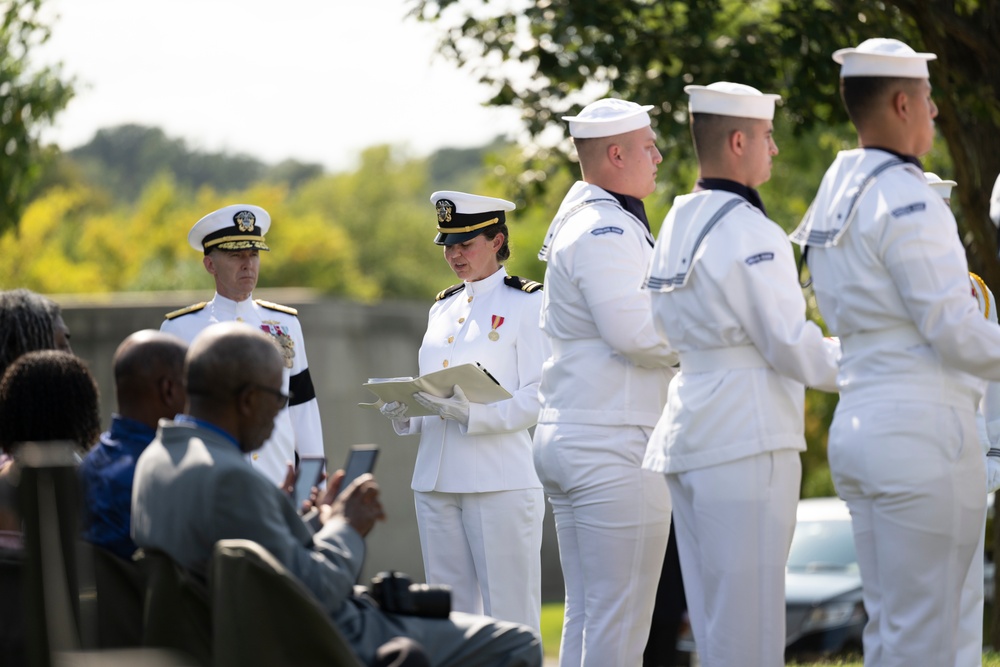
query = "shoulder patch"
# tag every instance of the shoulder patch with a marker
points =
(601, 231)
(759, 257)
(445, 293)
(276, 306)
(185, 311)
(522, 284)
(906, 210)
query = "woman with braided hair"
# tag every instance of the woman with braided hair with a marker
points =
(29, 321)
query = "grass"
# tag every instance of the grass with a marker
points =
(552, 616)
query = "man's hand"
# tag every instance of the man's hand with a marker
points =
(359, 505)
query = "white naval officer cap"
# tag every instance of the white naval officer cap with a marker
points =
(234, 227)
(462, 216)
(880, 56)
(943, 188)
(731, 99)
(608, 117)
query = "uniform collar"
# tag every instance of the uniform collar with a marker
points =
(634, 206)
(487, 284)
(233, 309)
(902, 156)
(727, 185)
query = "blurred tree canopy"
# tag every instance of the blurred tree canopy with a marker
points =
(548, 57)
(29, 100)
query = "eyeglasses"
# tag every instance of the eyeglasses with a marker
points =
(277, 393)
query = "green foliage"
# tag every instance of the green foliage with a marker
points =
(547, 57)
(29, 100)
(124, 159)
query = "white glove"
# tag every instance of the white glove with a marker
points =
(992, 472)
(456, 407)
(395, 411)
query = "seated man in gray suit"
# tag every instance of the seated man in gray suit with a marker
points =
(194, 487)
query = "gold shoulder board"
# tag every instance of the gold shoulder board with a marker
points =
(522, 284)
(445, 293)
(184, 311)
(276, 306)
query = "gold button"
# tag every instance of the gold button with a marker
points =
(445, 364)
(470, 299)
(461, 319)
(256, 456)
(451, 339)
(239, 319)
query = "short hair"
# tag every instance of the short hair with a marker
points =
(226, 356)
(25, 324)
(48, 395)
(861, 94)
(503, 254)
(710, 131)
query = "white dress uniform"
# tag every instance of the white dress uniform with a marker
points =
(602, 392)
(297, 427)
(891, 280)
(970, 631)
(725, 292)
(479, 502)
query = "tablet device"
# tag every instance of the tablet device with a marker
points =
(360, 460)
(310, 474)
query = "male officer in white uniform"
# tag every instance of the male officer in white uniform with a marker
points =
(725, 292)
(892, 281)
(231, 240)
(603, 389)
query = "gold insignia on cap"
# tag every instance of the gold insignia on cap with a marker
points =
(444, 208)
(245, 221)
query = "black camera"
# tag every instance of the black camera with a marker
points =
(396, 593)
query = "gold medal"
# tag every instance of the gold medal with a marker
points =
(493, 335)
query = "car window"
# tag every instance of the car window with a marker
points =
(822, 545)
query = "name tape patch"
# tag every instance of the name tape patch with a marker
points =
(759, 257)
(607, 230)
(906, 210)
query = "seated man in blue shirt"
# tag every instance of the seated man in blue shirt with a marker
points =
(149, 384)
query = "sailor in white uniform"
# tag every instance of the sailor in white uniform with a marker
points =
(231, 240)
(603, 389)
(970, 631)
(479, 503)
(725, 292)
(891, 280)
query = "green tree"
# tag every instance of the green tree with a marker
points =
(29, 100)
(547, 57)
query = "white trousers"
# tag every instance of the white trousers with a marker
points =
(970, 622)
(612, 522)
(487, 547)
(913, 477)
(734, 525)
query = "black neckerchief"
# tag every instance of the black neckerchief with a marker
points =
(633, 206)
(902, 156)
(744, 191)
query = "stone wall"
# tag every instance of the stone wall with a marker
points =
(346, 343)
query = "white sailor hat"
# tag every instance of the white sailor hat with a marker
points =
(461, 216)
(608, 117)
(731, 99)
(235, 227)
(880, 56)
(939, 186)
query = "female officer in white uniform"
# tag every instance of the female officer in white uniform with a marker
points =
(478, 500)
